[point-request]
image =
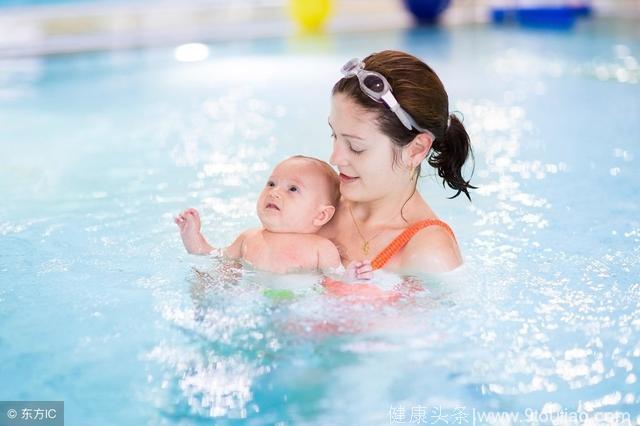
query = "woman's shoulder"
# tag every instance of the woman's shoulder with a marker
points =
(432, 249)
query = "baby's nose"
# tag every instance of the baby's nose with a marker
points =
(275, 193)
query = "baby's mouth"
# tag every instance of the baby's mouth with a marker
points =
(272, 206)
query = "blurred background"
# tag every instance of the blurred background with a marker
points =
(51, 26)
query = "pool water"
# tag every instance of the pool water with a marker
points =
(101, 307)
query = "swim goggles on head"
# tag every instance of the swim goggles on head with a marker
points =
(377, 87)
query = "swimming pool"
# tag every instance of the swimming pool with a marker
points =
(100, 306)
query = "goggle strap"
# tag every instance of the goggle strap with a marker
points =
(390, 100)
(387, 97)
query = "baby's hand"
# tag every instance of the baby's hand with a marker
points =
(359, 271)
(189, 222)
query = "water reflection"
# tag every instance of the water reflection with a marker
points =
(238, 349)
(621, 66)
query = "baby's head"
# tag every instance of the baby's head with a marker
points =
(301, 195)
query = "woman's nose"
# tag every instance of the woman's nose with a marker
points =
(337, 155)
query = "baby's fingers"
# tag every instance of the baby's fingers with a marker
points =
(364, 271)
(364, 266)
(364, 275)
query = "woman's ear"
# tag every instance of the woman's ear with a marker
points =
(417, 150)
(324, 216)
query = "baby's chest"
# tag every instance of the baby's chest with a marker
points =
(281, 257)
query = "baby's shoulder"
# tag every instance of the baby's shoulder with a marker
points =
(319, 241)
(314, 242)
(251, 235)
(326, 248)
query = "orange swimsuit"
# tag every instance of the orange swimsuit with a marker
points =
(401, 240)
(369, 291)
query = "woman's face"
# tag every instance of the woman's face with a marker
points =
(362, 154)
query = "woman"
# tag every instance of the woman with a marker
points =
(389, 115)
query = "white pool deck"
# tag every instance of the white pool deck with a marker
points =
(27, 31)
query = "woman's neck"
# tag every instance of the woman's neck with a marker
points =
(384, 210)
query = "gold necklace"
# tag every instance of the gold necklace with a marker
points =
(365, 245)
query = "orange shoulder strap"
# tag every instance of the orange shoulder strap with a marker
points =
(401, 240)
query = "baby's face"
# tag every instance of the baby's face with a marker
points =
(294, 195)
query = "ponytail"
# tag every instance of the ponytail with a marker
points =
(450, 154)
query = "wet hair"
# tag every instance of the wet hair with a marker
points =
(421, 93)
(332, 178)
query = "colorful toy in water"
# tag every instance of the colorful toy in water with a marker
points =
(278, 295)
(561, 16)
(310, 15)
(426, 11)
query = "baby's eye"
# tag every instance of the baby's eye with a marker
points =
(270, 184)
(293, 189)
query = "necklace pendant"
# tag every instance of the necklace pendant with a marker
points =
(365, 248)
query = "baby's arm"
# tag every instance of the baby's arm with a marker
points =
(234, 251)
(195, 243)
(330, 264)
(189, 223)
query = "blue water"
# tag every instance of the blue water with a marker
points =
(100, 306)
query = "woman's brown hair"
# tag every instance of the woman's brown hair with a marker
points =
(421, 93)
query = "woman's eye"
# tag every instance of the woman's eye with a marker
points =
(333, 135)
(293, 189)
(356, 151)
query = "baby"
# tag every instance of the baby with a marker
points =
(301, 195)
